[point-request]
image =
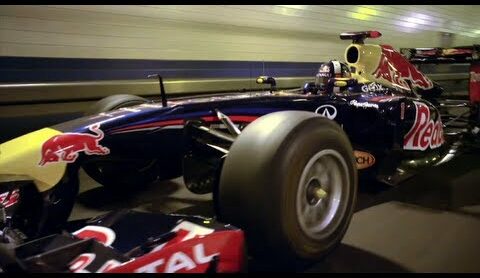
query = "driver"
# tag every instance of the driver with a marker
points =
(331, 69)
(327, 71)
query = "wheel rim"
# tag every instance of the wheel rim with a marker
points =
(322, 194)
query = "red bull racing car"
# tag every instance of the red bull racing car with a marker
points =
(283, 165)
(442, 55)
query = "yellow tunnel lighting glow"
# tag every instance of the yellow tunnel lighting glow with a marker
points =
(295, 6)
(360, 16)
(285, 10)
(366, 11)
(476, 31)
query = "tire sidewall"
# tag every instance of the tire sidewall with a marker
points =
(296, 151)
(114, 102)
(259, 184)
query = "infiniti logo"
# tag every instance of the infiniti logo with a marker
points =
(327, 111)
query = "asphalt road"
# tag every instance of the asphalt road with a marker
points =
(430, 223)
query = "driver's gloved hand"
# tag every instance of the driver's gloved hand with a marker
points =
(310, 88)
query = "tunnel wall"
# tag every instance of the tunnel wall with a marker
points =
(236, 33)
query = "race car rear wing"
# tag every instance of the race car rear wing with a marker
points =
(439, 55)
(359, 37)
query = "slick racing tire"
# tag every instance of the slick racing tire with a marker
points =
(290, 181)
(121, 175)
(114, 102)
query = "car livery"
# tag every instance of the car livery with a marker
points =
(389, 125)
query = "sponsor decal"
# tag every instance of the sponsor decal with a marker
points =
(12, 200)
(363, 104)
(372, 87)
(179, 261)
(327, 111)
(324, 71)
(110, 264)
(394, 68)
(101, 234)
(186, 230)
(364, 159)
(67, 146)
(79, 264)
(193, 255)
(324, 68)
(424, 132)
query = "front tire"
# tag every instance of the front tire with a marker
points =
(290, 182)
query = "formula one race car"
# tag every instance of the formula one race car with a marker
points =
(281, 164)
(442, 55)
(108, 244)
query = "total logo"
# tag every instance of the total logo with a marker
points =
(184, 258)
(424, 132)
(327, 111)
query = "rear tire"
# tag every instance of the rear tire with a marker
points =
(114, 102)
(272, 172)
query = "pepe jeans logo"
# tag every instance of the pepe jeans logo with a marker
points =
(363, 104)
(327, 111)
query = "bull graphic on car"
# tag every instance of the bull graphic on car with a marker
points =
(400, 71)
(67, 146)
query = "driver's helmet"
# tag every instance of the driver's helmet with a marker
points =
(331, 69)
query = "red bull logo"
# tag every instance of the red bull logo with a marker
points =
(66, 147)
(394, 68)
(424, 132)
